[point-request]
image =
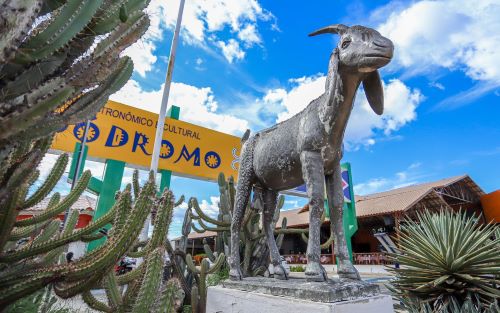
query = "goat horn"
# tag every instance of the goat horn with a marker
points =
(332, 29)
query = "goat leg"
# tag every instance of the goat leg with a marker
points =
(335, 195)
(313, 173)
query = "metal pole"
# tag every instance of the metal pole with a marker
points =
(163, 109)
(79, 162)
(166, 92)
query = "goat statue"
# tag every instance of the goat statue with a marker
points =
(308, 148)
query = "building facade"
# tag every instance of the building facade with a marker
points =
(379, 216)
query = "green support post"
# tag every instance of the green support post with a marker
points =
(166, 176)
(105, 189)
(111, 183)
(74, 158)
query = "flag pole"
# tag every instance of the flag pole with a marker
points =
(163, 109)
(166, 92)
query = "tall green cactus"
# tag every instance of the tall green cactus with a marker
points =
(31, 267)
(56, 70)
(254, 247)
(146, 289)
(171, 297)
(199, 292)
(255, 251)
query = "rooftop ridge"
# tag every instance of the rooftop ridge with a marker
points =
(426, 185)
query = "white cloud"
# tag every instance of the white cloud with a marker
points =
(210, 208)
(198, 105)
(453, 34)
(202, 22)
(399, 107)
(141, 53)
(304, 91)
(249, 35)
(437, 85)
(410, 176)
(231, 50)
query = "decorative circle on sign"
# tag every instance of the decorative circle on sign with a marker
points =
(212, 159)
(92, 133)
(166, 150)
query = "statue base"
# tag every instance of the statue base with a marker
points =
(259, 294)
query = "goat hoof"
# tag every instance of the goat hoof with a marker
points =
(316, 278)
(280, 272)
(235, 274)
(316, 272)
(351, 274)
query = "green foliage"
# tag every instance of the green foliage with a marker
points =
(31, 267)
(199, 292)
(27, 304)
(151, 282)
(146, 289)
(38, 302)
(219, 276)
(446, 259)
(470, 305)
(298, 268)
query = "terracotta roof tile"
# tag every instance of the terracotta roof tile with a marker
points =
(195, 235)
(83, 203)
(399, 199)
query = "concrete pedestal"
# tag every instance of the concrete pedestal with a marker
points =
(256, 295)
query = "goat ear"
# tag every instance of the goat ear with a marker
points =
(333, 86)
(374, 92)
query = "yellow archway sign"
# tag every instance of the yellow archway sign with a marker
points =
(124, 133)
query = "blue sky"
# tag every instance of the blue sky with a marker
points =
(248, 64)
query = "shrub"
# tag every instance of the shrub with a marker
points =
(298, 268)
(219, 276)
(447, 260)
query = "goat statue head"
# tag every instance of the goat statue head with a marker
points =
(361, 51)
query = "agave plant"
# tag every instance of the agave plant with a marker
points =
(446, 259)
(470, 305)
